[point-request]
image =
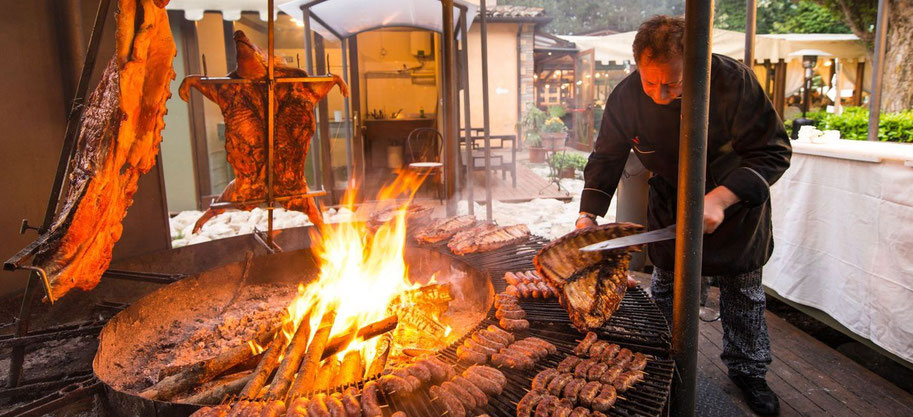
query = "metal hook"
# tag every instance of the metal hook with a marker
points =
(44, 280)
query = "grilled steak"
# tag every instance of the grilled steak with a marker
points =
(590, 284)
(244, 108)
(443, 229)
(117, 143)
(488, 239)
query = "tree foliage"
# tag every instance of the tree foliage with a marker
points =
(574, 17)
(781, 16)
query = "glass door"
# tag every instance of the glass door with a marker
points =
(584, 97)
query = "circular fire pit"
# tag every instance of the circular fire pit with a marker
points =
(213, 311)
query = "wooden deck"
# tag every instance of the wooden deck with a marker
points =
(529, 186)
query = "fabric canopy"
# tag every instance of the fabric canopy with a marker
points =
(617, 47)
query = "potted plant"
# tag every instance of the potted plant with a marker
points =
(532, 124)
(554, 132)
(566, 165)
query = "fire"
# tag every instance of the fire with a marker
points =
(361, 273)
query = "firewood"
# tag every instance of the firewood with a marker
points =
(266, 366)
(293, 354)
(351, 370)
(377, 366)
(203, 371)
(215, 393)
(339, 343)
(307, 372)
(326, 373)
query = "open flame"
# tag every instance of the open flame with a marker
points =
(362, 274)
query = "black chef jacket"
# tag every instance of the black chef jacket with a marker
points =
(747, 150)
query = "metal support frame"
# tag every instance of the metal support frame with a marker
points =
(467, 120)
(486, 122)
(450, 103)
(881, 30)
(751, 13)
(692, 163)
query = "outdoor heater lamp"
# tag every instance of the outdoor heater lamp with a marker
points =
(809, 59)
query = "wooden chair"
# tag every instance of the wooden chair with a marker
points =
(424, 152)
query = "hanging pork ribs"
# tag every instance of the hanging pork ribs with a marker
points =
(118, 141)
(244, 107)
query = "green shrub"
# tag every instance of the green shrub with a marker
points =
(559, 161)
(853, 124)
(532, 124)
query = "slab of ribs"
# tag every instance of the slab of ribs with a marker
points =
(117, 142)
(590, 284)
(244, 108)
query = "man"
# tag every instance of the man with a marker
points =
(747, 150)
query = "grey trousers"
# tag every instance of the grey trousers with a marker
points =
(746, 345)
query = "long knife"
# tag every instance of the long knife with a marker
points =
(657, 235)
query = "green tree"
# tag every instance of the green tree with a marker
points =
(570, 17)
(780, 16)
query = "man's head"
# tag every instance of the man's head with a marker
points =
(658, 48)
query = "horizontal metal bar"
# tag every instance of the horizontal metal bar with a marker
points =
(152, 277)
(283, 80)
(44, 337)
(234, 204)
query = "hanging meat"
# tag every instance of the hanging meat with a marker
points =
(117, 142)
(590, 284)
(244, 107)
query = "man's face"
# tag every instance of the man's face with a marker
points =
(662, 81)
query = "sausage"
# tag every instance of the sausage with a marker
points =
(478, 347)
(608, 355)
(440, 371)
(546, 290)
(580, 412)
(638, 363)
(334, 405)
(452, 406)
(481, 337)
(513, 314)
(596, 371)
(547, 406)
(512, 290)
(466, 354)
(564, 408)
(627, 379)
(552, 349)
(524, 349)
(556, 386)
(369, 403)
(568, 364)
(524, 290)
(465, 398)
(492, 337)
(582, 367)
(480, 398)
(514, 325)
(436, 373)
(584, 347)
(506, 299)
(610, 375)
(542, 379)
(606, 398)
(623, 358)
(537, 349)
(490, 383)
(318, 406)
(501, 332)
(511, 278)
(399, 414)
(512, 361)
(589, 392)
(392, 383)
(420, 371)
(298, 407)
(529, 401)
(595, 413)
(572, 389)
(598, 347)
(353, 409)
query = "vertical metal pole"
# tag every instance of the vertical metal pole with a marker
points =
(309, 67)
(345, 106)
(270, 121)
(486, 124)
(450, 100)
(838, 85)
(751, 12)
(323, 122)
(881, 29)
(467, 121)
(692, 163)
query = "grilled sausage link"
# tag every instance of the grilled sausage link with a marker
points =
(480, 398)
(568, 364)
(564, 408)
(501, 332)
(606, 398)
(453, 406)
(610, 375)
(608, 355)
(369, 403)
(513, 325)
(638, 363)
(551, 348)
(393, 383)
(584, 347)
(353, 409)
(580, 412)
(581, 369)
(589, 392)
(596, 371)
(556, 386)
(542, 379)
(483, 338)
(298, 407)
(468, 401)
(527, 404)
(318, 406)
(516, 313)
(572, 389)
(598, 347)
(469, 355)
(547, 406)
(334, 405)
(490, 380)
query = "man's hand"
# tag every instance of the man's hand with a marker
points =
(715, 202)
(585, 221)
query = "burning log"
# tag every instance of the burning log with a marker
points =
(326, 373)
(293, 355)
(351, 370)
(339, 343)
(266, 366)
(421, 321)
(307, 372)
(203, 371)
(433, 294)
(384, 345)
(215, 393)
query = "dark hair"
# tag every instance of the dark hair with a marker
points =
(663, 36)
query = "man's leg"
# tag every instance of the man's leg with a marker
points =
(746, 345)
(661, 285)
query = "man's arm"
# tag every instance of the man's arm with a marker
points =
(606, 163)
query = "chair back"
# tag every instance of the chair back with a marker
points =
(424, 145)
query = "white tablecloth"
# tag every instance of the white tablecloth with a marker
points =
(843, 237)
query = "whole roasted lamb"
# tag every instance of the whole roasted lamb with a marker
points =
(244, 107)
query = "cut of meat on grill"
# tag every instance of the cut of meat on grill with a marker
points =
(488, 239)
(466, 235)
(117, 142)
(417, 215)
(442, 229)
(590, 284)
(244, 108)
